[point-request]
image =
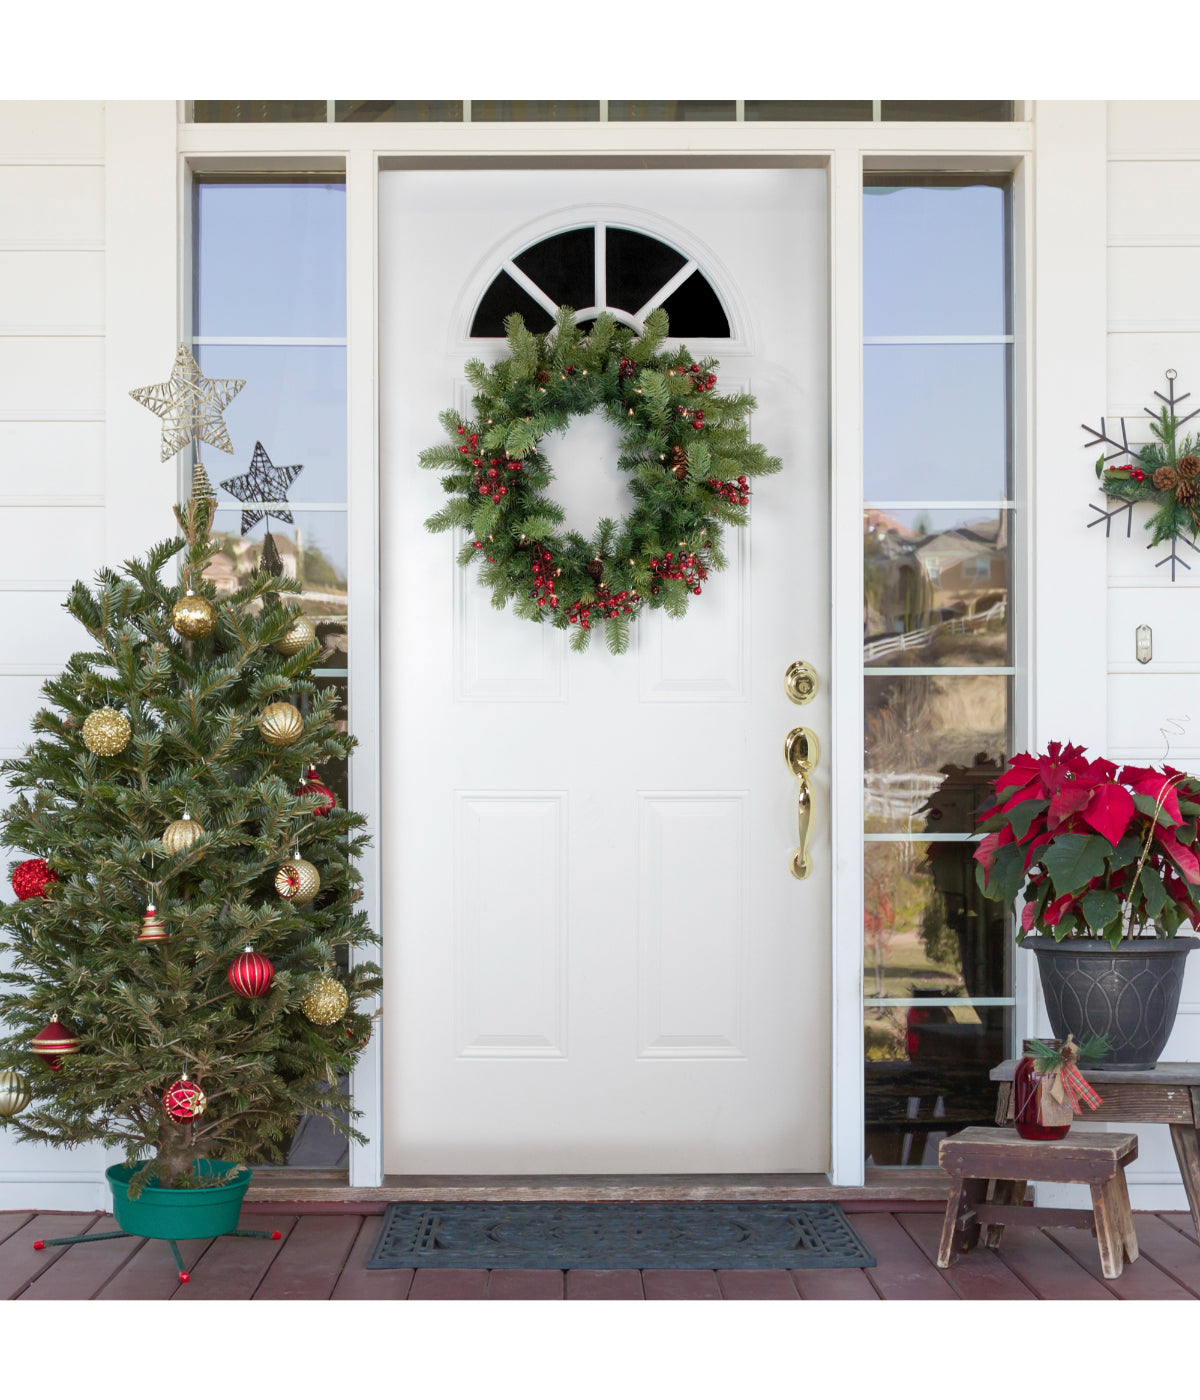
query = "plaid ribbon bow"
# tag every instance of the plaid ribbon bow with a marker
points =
(1078, 1090)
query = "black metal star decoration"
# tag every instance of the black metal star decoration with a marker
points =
(262, 484)
(1176, 513)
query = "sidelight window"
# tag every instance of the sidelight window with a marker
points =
(937, 650)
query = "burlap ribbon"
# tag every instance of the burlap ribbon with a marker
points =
(1065, 1092)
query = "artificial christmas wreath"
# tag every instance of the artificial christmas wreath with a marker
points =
(685, 448)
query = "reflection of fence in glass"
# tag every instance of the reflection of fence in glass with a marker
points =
(921, 639)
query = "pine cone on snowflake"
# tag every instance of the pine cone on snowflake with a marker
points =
(1165, 479)
(1187, 493)
(1188, 468)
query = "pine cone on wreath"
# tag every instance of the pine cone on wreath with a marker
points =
(1165, 479)
(678, 462)
(1187, 493)
(1188, 468)
(595, 570)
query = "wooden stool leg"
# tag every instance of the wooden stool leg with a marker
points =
(1007, 1193)
(1128, 1234)
(1110, 1235)
(1003, 1099)
(960, 1229)
(1186, 1141)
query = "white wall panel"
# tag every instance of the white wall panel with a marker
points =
(52, 205)
(1138, 362)
(45, 377)
(1153, 201)
(51, 291)
(510, 921)
(48, 543)
(1167, 128)
(41, 633)
(39, 460)
(1144, 712)
(1169, 610)
(20, 699)
(51, 130)
(691, 924)
(1154, 289)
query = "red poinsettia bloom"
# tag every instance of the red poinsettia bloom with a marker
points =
(1092, 849)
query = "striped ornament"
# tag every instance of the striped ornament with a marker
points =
(250, 974)
(184, 1100)
(54, 1041)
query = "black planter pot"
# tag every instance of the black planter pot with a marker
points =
(1129, 993)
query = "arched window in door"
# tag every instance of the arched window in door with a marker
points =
(602, 267)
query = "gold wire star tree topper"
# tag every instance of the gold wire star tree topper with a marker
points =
(190, 405)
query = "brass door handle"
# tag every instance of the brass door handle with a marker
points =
(802, 752)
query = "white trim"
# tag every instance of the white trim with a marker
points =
(913, 837)
(937, 339)
(334, 340)
(938, 505)
(939, 1001)
(847, 1165)
(363, 622)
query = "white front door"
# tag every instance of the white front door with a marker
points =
(596, 956)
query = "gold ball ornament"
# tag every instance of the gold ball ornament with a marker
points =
(106, 732)
(326, 1003)
(182, 834)
(301, 634)
(14, 1093)
(297, 880)
(281, 724)
(193, 617)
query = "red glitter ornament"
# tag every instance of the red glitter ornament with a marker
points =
(30, 878)
(54, 1041)
(250, 974)
(184, 1100)
(312, 786)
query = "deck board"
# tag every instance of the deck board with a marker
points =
(20, 1263)
(980, 1275)
(1142, 1279)
(525, 1284)
(1045, 1269)
(449, 1284)
(359, 1282)
(613, 1285)
(233, 1267)
(310, 1262)
(902, 1271)
(324, 1254)
(80, 1271)
(753, 1285)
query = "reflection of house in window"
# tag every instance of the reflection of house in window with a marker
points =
(925, 586)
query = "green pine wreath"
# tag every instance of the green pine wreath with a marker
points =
(685, 448)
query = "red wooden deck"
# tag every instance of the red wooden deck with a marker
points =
(323, 1251)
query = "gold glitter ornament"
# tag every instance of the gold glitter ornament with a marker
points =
(193, 617)
(106, 732)
(14, 1093)
(301, 634)
(297, 880)
(326, 1003)
(182, 834)
(281, 724)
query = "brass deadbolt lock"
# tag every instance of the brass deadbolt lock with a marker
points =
(800, 682)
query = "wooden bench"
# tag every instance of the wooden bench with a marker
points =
(977, 1156)
(1168, 1093)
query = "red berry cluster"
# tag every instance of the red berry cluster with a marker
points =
(702, 382)
(1137, 472)
(693, 416)
(544, 585)
(687, 567)
(626, 369)
(736, 493)
(604, 605)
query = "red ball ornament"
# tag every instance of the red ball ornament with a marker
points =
(250, 974)
(184, 1100)
(30, 878)
(54, 1041)
(312, 786)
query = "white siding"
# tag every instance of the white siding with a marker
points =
(1153, 294)
(81, 281)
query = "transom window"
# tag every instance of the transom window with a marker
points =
(602, 267)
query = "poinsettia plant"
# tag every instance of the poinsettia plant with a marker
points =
(1095, 851)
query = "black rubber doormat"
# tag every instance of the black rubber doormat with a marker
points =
(617, 1235)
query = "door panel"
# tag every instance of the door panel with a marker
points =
(597, 957)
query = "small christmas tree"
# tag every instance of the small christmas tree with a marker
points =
(170, 795)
